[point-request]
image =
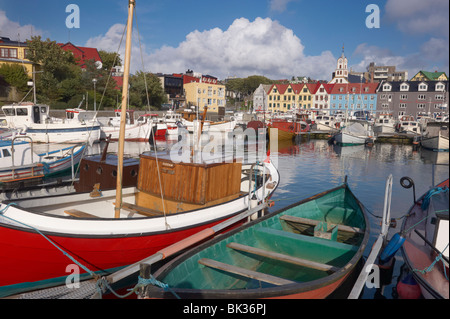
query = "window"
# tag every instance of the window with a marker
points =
(404, 87)
(423, 87)
(385, 105)
(6, 152)
(421, 97)
(404, 97)
(403, 105)
(387, 87)
(440, 87)
(9, 112)
(420, 105)
(8, 53)
(439, 97)
(21, 112)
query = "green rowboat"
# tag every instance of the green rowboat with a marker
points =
(306, 250)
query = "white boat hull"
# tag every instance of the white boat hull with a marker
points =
(344, 138)
(136, 132)
(436, 143)
(63, 133)
(380, 129)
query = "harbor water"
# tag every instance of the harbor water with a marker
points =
(311, 166)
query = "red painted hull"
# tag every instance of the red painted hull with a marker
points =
(27, 257)
(161, 133)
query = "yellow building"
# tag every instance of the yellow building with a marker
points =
(430, 76)
(305, 95)
(204, 90)
(287, 97)
(277, 100)
(14, 52)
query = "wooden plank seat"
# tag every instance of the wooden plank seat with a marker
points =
(311, 222)
(315, 249)
(282, 257)
(79, 214)
(244, 272)
(141, 210)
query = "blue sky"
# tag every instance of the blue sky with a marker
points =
(275, 38)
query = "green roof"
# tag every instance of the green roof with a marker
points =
(432, 75)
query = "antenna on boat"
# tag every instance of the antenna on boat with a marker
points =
(118, 203)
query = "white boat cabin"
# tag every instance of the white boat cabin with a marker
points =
(25, 114)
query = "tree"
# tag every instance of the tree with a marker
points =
(57, 66)
(138, 91)
(14, 75)
(246, 87)
(110, 59)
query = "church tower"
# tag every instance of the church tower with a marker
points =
(341, 73)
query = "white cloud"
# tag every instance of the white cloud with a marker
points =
(432, 55)
(15, 31)
(114, 41)
(262, 47)
(420, 17)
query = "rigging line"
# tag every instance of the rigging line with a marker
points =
(142, 61)
(110, 71)
(103, 95)
(152, 134)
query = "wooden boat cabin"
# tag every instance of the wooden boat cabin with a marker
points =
(187, 186)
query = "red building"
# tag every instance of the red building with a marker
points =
(82, 54)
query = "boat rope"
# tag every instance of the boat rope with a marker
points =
(103, 284)
(152, 281)
(431, 193)
(430, 268)
(2, 212)
(413, 226)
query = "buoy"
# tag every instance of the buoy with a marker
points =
(408, 288)
(391, 249)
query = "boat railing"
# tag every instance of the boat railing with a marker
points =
(13, 166)
(379, 244)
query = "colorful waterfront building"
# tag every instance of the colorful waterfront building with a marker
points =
(277, 99)
(83, 54)
(353, 97)
(204, 90)
(15, 52)
(413, 98)
(321, 95)
(430, 76)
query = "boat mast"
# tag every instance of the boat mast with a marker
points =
(118, 204)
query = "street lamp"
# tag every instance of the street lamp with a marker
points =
(94, 80)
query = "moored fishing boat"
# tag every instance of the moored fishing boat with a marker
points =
(33, 120)
(426, 237)
(288, 129)
(21, 165)
(306, 250)
(135, 130)
(42, 237)
(353, 134)
(437, 143)
(435, 137)
(385, 123)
